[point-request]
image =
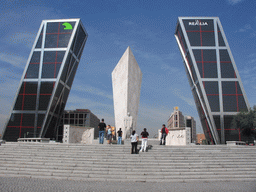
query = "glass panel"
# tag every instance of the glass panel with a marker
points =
(33, 68)
(182, 39)
(229, 103)
(231, 87)
(211, 87)
(72, 75)
(206, 62)
(65, 69)
(214, 103)
(39, 41)
(217, 124)
(232, 135)
(208, 38)
(241, 103)
(51, 63)
(40, 120)
(192, 67)
(212, 92)
(27, 96)
(200, 32)
(220, 38)
(227, 70)
(58, 34)
(80, 40)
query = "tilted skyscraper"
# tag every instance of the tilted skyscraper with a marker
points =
(126, 81)
(213, 76)
(47, 80)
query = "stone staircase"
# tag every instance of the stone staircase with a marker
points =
(115, 163)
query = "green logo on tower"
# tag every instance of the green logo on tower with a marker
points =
(68, 26)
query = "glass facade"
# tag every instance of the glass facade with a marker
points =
(47, 80)
(212, 74)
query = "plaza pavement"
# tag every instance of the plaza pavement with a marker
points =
(13, 184)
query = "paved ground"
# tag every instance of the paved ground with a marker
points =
(10, 184)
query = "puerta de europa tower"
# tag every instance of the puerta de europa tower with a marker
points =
(215, 83)
(47, 80)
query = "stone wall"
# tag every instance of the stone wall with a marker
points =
(76, 134)
(179, 136)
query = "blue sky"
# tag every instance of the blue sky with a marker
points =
(113, 25)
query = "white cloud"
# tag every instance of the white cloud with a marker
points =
(91, 90)
(13, 59)
(190, 101)
(24, 38)
(233, 2)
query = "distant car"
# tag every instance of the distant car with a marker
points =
(2, 141)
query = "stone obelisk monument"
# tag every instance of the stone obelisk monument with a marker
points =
(126, 82)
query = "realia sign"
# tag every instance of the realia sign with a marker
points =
(197, 22)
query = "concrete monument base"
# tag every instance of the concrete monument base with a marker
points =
(76, 134)
(179, 136)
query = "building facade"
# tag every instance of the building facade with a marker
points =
(47, 80)
(213, 76)
(176, 120)
(79, 118)
(191, 123)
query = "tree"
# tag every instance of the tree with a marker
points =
(246, 122)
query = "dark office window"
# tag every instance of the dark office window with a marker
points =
(33, 68)
(227, 70)
(214, 102)
(211, 87)
(39, 41)
(188, 123)
(72, 74)
(231, 88)
(80, 40)
(40, 120)
(217, 124)
(191, 67)
(66, 68)
(212, 92)
(27, 96)
(200, 32)
(45, 94)
(57, 35)
(206, 63)
(182, 39)
(231, 91)
(231, 133)
(51, 63)
(220, 38)
(18, 125)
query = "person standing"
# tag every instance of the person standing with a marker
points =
(119, 142)
(134, 141)
(109, 134)
(144, 134)
(164, 132)
(102, 127)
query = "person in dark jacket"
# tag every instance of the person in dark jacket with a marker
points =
(164, 132)
(144, 134)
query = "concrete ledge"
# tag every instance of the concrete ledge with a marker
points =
(34, 140)
(234, 143)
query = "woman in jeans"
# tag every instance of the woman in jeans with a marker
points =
(134, 142)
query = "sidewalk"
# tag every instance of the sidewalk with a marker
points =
(43, 185)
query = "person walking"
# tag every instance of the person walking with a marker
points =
(102, 127)
(120, 133)
(144, 134)
(109, 134)
(164, 132)
(134, 141)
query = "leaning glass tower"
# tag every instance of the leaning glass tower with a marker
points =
(213, 76)
(47, 80)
